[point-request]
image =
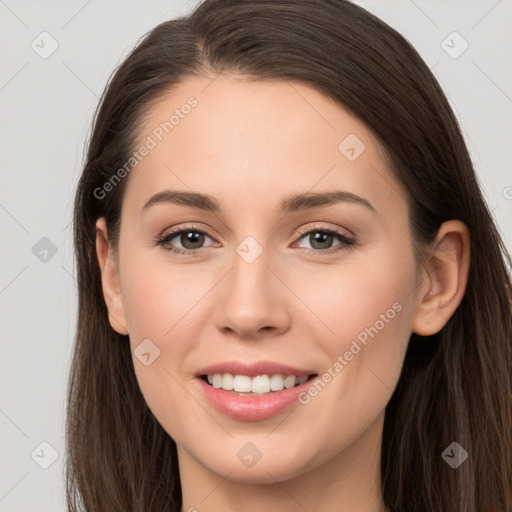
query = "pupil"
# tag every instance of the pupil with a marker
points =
(320, 238)
(191, 237)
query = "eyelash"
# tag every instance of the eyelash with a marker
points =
(345, 244)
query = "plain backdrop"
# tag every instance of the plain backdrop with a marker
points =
(47, 102)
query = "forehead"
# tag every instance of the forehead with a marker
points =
(247, 140)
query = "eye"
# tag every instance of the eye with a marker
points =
(321, 239)
(190, 238)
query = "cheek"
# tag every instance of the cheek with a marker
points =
(166, 303)
(365, 314)
(160, 297)
(356, 298)
(160, 303)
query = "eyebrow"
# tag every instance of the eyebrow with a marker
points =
(290, 204)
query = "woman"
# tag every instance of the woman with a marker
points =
(222, 364)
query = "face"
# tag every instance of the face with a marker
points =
(279, 280)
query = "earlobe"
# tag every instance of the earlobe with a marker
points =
(110, 279)
(445, 280)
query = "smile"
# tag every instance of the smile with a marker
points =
(244, 385)
(247, 393)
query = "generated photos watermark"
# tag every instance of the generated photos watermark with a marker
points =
(150, 143)
(355, 348)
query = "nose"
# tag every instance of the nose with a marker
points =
(252, 301)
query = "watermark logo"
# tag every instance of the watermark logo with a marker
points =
(146, 352)
(249, 249)
(44, 455)
(249, 454)
(44, 45)
(454, 45)
(44, 250)
(454, 455)
(352, 147)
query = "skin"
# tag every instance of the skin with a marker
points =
(250, 144)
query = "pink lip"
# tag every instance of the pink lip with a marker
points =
(252, 408)
(253, 369)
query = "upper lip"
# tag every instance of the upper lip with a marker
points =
(253, 369)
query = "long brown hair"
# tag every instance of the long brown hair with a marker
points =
(455, 386)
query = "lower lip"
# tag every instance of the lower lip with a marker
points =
(253, 408)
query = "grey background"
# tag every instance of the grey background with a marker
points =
(47, 106)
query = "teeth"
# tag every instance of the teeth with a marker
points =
(241, 383)
(289, 381)
(259, 384)
(276, 382)
(227, 382)
(217, 380)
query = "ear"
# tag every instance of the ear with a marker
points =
(110, 279)
(446, 278)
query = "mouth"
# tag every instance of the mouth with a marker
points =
(259, 385)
